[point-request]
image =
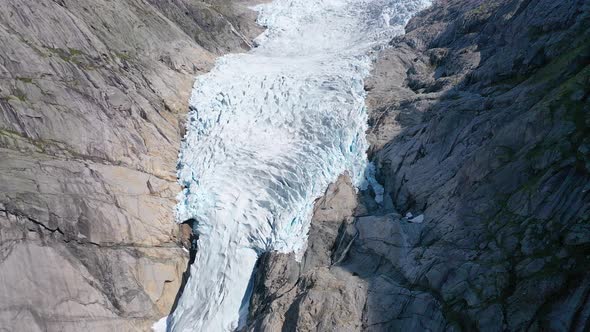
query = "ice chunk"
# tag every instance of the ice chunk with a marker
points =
(417, 220)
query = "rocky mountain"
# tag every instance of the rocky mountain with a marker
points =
(93, 95)
(480, 131)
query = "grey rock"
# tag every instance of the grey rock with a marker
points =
(479, 118)
(312, 295)
(333, 210)
(93, 96)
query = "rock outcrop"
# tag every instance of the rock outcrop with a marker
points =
(480, 130)
(289, 296)
(93, 96)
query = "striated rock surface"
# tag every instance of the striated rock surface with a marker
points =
(93, 96)
(480, 131)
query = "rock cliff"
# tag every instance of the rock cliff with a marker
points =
(93, 96)
(480, 130)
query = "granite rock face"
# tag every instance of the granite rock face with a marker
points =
(312, 295)
(480, 130)
(93, 96)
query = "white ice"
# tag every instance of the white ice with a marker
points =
(417, 220)
(268, 131)
(160, 325)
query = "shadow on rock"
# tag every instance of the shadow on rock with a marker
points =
(480, 131)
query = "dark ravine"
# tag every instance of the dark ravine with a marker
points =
(480, 122)
(93, 97)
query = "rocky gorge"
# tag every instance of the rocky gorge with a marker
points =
(479, 129)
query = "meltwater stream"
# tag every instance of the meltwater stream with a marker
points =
(267, 132)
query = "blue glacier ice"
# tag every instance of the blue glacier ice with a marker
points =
(267, 132)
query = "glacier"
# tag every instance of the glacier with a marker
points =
(267, 132)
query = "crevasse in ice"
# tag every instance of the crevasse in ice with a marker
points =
(267, 132)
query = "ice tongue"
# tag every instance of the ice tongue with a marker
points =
(267, 132)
